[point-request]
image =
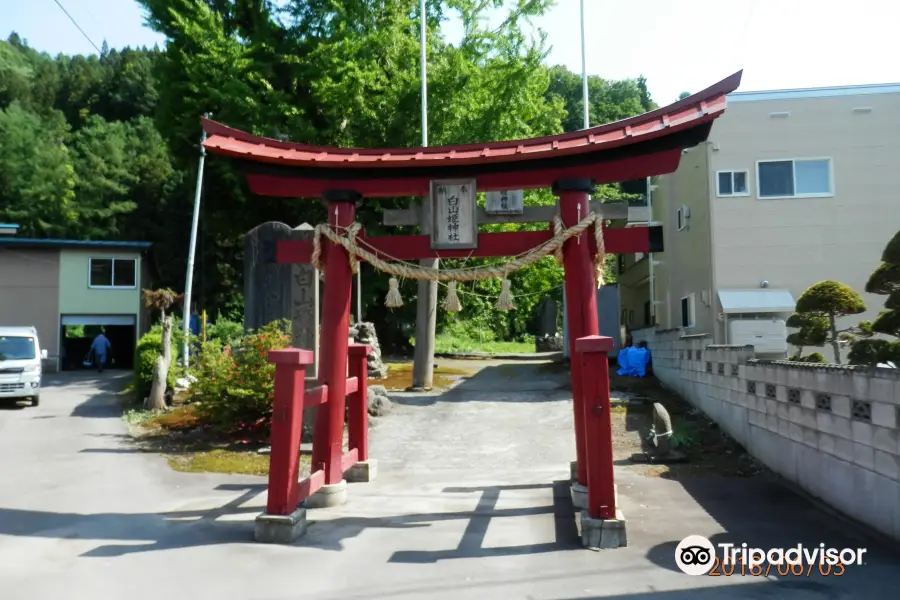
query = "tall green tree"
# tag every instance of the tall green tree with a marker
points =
(37, 178)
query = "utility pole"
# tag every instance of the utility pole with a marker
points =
(189, 278)
(426, 304)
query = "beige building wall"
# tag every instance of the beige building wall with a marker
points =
(685, 267)
(76, 297)
(796, 242)
(29, 293)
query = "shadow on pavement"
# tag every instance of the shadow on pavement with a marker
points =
(197, 528)
(510, 382)
(106, 389)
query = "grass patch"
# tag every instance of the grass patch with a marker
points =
(177, 418)
(138, 417)
(224, 461)
(449, 343)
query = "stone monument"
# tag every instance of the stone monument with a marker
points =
(273, 291)
(547, 338)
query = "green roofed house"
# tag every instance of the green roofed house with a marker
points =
(70, 290)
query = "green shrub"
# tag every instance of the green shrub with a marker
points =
(234, 388)
(225, 332)
(815, 357)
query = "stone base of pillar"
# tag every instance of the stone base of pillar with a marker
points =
(328, 495)
(603, 533)
(362, 472)
(579, 496)
(280, 529)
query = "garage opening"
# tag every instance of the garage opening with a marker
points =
(78, 331)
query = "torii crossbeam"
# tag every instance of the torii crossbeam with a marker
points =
(571, 164)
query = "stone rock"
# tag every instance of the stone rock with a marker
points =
(548, 343)
(378, 401)
(364, 333)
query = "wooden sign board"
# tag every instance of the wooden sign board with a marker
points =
(504, 203)
(453, 210)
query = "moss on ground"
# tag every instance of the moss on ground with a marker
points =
(223, 461)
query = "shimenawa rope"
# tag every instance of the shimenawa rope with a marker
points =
(356, 251)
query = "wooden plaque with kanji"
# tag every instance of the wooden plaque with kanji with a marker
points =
(454, 223)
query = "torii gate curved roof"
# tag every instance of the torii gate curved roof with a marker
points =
(641, 146)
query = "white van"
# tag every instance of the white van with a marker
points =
(20, 364)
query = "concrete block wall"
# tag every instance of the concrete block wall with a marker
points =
(832, 430)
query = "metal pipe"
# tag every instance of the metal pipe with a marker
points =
(584, 81)
(422, 33)
(189, 278)
(652, 281)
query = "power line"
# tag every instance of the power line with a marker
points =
(75, 23)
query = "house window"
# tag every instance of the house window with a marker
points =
(621, 261)
(647, 316)
(806, 178)
(113, 273)
(687, 311)
(731, 183)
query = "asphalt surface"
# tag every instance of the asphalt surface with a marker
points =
(471, 502)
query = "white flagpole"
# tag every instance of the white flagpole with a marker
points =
(189, 278)
(584, 81)
(423, 29)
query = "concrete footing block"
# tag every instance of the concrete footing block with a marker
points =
(328, 495)
(579, 496)
(362, 472)
(603, 533)
(280, 529)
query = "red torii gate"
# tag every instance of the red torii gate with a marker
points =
(572, 164)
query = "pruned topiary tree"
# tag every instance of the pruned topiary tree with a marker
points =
(884, 281)
(161, 300)
(831, 300)
(812, 330)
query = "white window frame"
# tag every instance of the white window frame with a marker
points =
(732, 172)
(681, 219)
(829, 194)
(692, 312)
(113, 273)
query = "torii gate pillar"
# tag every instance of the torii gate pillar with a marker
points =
(581, 298)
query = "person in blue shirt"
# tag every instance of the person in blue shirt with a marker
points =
(100, 348)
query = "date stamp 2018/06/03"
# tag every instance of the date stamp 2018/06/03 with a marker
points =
(696, 555)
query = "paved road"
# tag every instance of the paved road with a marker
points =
(470, 503)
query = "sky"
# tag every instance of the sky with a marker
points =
(678, 45)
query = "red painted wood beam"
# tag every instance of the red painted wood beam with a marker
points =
(633, 167)
(349, 459)
(352, 385)
(626, 240)
(311, 485)
(316, 396)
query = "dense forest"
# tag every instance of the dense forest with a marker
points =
(106, 147)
